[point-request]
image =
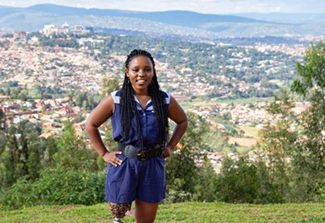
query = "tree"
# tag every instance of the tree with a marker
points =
(72, 153)
(311, 72)
(277, 140)
(238, 181)
(51, 149)
(3, 131)
(181, 170)
(295, 145)
(109, 85)
(34, 159)
(309, 159)
(21, 154)
(3, 124)
(206, 188)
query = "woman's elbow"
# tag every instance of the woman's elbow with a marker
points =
(184, 123)
(89, 125)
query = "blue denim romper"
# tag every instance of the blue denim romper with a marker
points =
(133, 179)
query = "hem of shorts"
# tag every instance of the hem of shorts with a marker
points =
(119, 202)
(144, 200)
(158, 201)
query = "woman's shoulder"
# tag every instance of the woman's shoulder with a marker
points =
(116, 95)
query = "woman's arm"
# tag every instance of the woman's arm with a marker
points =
(97, 117)
(177, 114)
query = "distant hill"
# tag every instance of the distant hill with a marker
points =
(181, 18)
(174, 23)
(293, 18)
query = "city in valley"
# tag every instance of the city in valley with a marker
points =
(54, 75)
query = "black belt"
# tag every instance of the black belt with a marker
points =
(142, 154)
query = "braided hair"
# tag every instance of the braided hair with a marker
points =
(129, 107)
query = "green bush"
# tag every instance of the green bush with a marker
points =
(238, 182)
(56, 186)
(243, 181)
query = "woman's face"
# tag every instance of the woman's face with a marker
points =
(140, 73)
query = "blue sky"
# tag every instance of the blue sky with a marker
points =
(203, 6)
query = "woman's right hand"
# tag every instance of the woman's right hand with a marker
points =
(111, 157)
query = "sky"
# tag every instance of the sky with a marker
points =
(202, 6)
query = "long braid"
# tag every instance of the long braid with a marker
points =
(160, 109)
(129, 107)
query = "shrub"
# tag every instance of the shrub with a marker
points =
(56, 186)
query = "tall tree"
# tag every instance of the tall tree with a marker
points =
(295, 145)
(206, 188)
(309, 158)
(34, 156)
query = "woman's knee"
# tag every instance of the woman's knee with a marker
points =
(145, 212)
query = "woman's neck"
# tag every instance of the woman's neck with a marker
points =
(141, 92)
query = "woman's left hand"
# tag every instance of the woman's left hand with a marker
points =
(168, 151)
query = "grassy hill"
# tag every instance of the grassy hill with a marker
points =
(180, 212)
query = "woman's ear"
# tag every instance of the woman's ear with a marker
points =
(126, 72)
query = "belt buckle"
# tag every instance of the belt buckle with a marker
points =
(142, 155)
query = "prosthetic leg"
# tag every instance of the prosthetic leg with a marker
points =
(119, 211)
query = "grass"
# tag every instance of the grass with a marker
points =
(243, 149)
(204, 103)
(245, 100)
(250, 131)
(181, 212)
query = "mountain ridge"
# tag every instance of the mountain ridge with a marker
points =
(173, 22)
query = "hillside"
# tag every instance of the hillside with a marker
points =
(179, 212)
(293, 18)
(180, 23)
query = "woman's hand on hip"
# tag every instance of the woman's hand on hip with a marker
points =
(168, 151)
(111, 157)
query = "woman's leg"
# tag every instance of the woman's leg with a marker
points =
(145, 212)
(119, 210)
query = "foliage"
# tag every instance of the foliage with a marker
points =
(311, 72)
(310, 157)
(109, 85)
(193, 137)
(181, 171)
(72, 153)
(206, 187)
(85, 100)
(181, 176)
(238, 182)
(295, 144)
(56, 186)
(20, 154)
(72, 43)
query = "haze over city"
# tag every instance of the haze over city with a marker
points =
(203, 6)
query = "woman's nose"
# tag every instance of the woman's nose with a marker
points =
(141, 73)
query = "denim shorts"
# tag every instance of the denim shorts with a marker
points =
(134, 179)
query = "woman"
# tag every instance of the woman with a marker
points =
(139, 113)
